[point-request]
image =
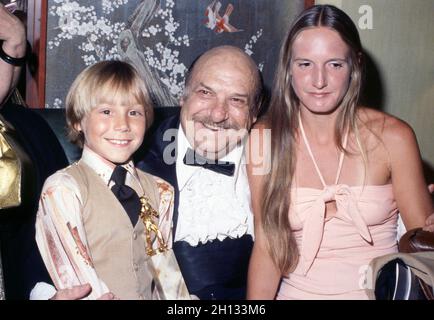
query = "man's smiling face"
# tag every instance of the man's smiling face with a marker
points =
(215, 109)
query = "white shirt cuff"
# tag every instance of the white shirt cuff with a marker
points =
(42, 291)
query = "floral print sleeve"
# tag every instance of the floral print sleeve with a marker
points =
(61, 238)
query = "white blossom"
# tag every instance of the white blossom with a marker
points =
(98, 35)
(57, 104)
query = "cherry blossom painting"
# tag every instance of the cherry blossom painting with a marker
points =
(161, 38)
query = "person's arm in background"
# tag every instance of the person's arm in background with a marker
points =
(13, 43)
(429, 222)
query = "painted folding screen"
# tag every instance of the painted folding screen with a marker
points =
(159, 37)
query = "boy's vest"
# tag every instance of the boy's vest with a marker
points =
(117, 249)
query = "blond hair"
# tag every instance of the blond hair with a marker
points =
(104, 82)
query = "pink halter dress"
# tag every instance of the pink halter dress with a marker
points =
(335, 252)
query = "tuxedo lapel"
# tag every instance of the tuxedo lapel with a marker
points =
(153, 160)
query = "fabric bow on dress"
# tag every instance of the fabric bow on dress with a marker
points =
(346, 204)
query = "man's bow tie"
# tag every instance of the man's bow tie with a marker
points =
(191, 158)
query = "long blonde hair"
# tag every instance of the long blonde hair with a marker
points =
(282, 118)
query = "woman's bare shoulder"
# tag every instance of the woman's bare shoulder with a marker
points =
(389, 128)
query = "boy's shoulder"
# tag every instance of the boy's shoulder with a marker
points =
(64, 171)
(162, 185)
(72, 170)
(61, 179)
(77, 174)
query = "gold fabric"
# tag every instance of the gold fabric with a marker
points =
(10, 170)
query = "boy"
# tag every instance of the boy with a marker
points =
(89, 226)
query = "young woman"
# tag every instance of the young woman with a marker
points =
(340, 172)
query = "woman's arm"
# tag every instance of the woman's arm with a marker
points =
(409, 186)
(263, 277)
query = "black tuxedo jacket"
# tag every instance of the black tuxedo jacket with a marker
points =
(214, 270)
(22, 263)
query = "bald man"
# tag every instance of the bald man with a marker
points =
(201, 153)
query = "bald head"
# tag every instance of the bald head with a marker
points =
(220, 101)
(232, 57)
